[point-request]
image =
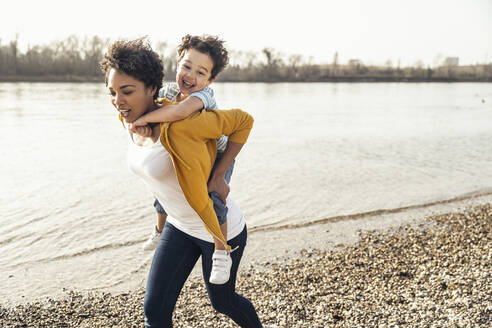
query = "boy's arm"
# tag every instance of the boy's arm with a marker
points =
(171, 113)
(203, 99)
(217, 181)
(206, 95)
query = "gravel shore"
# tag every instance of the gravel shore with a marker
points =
(436, 274)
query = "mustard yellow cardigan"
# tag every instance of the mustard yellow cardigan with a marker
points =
(192, 146)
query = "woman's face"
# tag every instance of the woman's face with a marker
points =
(194, 71)
(129, 96)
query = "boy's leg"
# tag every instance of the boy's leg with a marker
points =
(161, 215)
(151, 243)
(161, 220)
(158, 207)
(221, 260)
(217, 243)
(219, 206)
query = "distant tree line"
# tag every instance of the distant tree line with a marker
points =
(272, 67)
(75, 59)
(71, 59)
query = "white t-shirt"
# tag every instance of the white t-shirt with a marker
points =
(154, 165)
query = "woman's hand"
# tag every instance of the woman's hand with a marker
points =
(220, 186)
(139, 122)
(140, 127)
(144, 131)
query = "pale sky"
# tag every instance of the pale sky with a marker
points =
(371, 30)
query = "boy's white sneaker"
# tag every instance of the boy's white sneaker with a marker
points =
(153, 240)
(221, 267)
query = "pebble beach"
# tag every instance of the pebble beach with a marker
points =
(436, 273)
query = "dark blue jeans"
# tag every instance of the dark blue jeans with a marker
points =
(219, 206)
(174, 258)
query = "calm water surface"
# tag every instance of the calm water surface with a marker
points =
(317, 150)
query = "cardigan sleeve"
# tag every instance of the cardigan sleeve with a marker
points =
(236, 124)
(212, 124)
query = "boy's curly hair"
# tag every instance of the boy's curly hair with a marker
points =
(209, 45)
(137, 59)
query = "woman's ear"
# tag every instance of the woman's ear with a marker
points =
(153, 91)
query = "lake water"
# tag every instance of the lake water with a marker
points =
(72, 215)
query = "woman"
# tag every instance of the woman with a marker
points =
(175, 163)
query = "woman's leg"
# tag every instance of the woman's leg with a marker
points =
(174, 258)
(224, 298)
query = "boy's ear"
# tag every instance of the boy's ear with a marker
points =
(211, 80)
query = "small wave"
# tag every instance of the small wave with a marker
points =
(126, 276)
(16, 238)
(275, 227)
(80, 253)
(36, 219)
(28, 222)
(6, 241)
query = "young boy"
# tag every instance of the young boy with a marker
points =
(200, 59)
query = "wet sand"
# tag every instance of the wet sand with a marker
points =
(420, 268)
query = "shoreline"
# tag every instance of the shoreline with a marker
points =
(37, 280)
(313, 254)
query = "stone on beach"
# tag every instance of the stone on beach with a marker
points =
(436, 274)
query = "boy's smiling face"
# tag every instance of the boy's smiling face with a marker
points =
(194, 71)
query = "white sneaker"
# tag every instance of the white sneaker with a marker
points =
(221, 267)
(151, 243)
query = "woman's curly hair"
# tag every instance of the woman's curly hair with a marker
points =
(137, 59)
(206, 44)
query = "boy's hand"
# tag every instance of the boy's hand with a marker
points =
(220, 186)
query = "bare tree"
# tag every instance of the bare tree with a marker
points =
(13, 47)
(294, 62)
(334, 65)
